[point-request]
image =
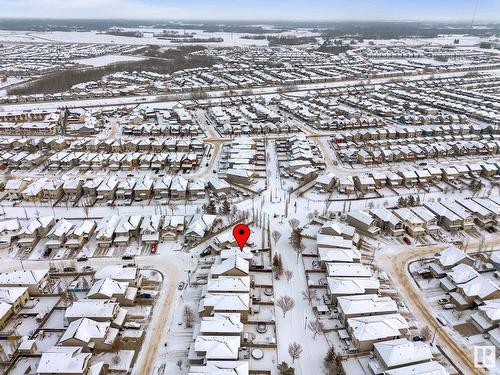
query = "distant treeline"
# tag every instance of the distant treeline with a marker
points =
(132, 34)
(290, 41)
(64, 80)
(387, 30)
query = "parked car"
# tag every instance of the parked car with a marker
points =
(132, 325)
(69, 269)
(443, 301)
(127, 257)
(83, 258)
(406, 240)
(181, 285)
(205, 253)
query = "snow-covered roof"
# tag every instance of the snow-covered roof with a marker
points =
(462, 273)
(218, 347)
(339, 255)
(87, 308)
(108, 287)
(348, 270)
(5, 309)
(452, 256)
(226, 302)
(480, 287)
(23, 277)
(223, 323)
(69, 361)
(399, 352)
(117, 272)
(366, 303)
(328, 241)
(239, 284)
(426, 368)
(351, 285)
(85, 330)
(221, 368)
(370, 328)
(11, 294)
(231, 263)
(338, 228)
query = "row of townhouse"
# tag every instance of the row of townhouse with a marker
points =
(401, 153)
(134, 144)
(452, 215)
(124, 161)
(391, 135)
(120, 230)
(44, 144)
(368, 183)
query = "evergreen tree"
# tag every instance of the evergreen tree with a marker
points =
(284, 369)
(210, 208)
(226, 208)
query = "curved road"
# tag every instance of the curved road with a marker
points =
(397, 267)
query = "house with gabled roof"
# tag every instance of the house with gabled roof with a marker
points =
(89, 334)
(365, 331)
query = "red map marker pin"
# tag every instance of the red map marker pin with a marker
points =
(241, 232)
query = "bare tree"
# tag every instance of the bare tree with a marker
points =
(288, 275)
(310, 294)
(116, 359)
(315, 327)
(295, 350)
(331, 362)
(294, 223)
(188, 316)
(276, 236)
(426, 333)
(299, 250)
(285, 303)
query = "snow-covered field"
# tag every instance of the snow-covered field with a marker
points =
(107, 60)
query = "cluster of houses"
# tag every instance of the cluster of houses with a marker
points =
(233, 334)
(327, 114)
(468, 288)
(161, 154)
(253, 118)
(178, 121)
(412, 149)
(26, 123)
(368, 320)
(240, 70)
(108, 189)
(109, 231)
(471, 103)
(301, 159)
(408, 177)
(420, 220)
(97, 318)
(240, 161)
